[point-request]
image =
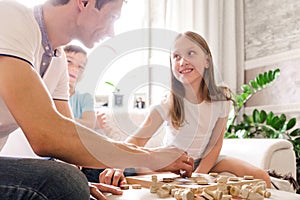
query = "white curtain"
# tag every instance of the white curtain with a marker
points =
(220, 22)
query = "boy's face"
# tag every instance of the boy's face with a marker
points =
(94, 25)
(76, 66)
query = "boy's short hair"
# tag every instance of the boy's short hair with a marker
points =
(99, 3)
(75, 49)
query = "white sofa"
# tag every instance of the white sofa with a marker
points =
(273, 154)
(268, 154)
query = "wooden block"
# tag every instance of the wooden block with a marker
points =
(255, 196)
(173, 191)
(226, 197)
(177, 194)
(167, 187)
(222, 179)
(202, 182)
(153, 188)
(267, 194)
(163, 193)
(136, 186)
(244, 193)
(154, 178)
(188, 183)
(187, 195)
(216, 194)
(234, 178)
(213, 174)
(168, 180)
(207, 196)
(124, 187)
(234, 191)
(248, 177)
(246, 186)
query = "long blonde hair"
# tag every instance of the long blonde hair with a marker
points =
(210, 91)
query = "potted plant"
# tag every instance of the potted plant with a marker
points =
(117, 97)
(260, 123)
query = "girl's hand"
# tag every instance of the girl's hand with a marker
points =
(181, 164)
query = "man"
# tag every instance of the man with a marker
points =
(140, 103)
(34, 97)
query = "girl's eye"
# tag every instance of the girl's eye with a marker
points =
(176, 56)
(191, 53)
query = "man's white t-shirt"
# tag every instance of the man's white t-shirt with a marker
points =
(20, 37)
(196, 133)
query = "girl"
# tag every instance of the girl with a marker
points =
(196, 111)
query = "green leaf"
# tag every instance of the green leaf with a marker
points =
(247, 119)
(278, 122)
(274, 122)
(244, 96)
(239, 100)
(259, 80)
(271, 75)
(270, 117)
(254, 85)
(297, 140)
(283, 118)
(255, 115)
(265, 78)
(262, 116)
(109, 83)
(246, 88)
(276, 73)
(295, 132)
(291, 123)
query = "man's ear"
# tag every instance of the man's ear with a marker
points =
(82, 3)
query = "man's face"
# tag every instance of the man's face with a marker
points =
(76, 66)
(94, 25)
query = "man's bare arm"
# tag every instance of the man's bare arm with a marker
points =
(51, 134)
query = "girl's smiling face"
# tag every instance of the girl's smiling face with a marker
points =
(188, 62)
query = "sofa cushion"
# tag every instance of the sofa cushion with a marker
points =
(274, 154)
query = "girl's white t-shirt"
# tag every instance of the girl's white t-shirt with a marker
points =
(200, 119)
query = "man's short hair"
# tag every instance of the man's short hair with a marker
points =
(75, 49)
(99, 3)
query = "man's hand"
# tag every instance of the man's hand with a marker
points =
(96, 190)
(183, 166)
(112, 177)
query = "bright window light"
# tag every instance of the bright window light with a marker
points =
(31, 3)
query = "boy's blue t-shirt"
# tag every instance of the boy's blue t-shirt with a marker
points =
(81, 103)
